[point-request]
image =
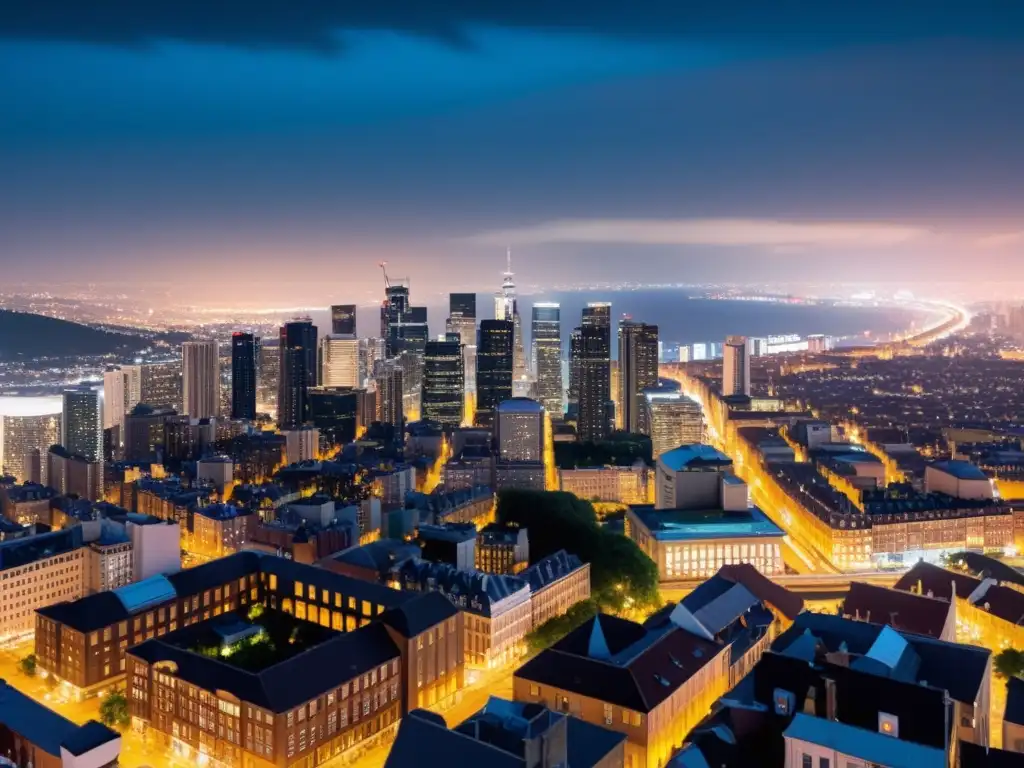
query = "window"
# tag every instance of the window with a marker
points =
(312, 592)
(607, 714)
(534, 690)
(273, 581)
(298, 589)
(888, 724)
(806, 761)
(824, 762)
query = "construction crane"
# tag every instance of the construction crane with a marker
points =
(384, 268)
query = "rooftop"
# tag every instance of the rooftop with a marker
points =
(870, 746)
(29, 549)
(694, 456)
(904, 611)
(686, 524)
(520, 405)
(45, 728)
(961, 470)
(287, 683)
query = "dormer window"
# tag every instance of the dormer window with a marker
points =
(888, 724)
(784, 701)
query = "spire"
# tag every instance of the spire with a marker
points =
(508, 260)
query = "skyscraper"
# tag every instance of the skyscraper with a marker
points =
(638, 370)
(339, 360)
(674, 420)
(736, 366)
(245, 356)
(370, 352)
(390, 388)
(594, 419)
(200, 378)
(506, 308)
(28, 427)
(122, 391)
(82, 425)
(520, 430)
(547, 357)
(493, 368)
(444, 389)
(297, 373)
(343, 319)
(575, 359)
(462, 320)
(161, 386)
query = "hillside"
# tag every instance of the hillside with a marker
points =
(27, 336)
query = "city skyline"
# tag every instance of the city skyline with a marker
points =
(712, 144)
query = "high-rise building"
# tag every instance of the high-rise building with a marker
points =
(370, 352)
(546, 332)
(245, 356)
(335, 412)
(444, 388)
(595, 417)
(674, 420)
(520, 430)
(343, 320)
(462, 317)
(161, 386)
(339, 361)
(493, 368)
(507, 308)
(28, 427)
(200, 379)
(269, 378)
(82, 424)
(736, 366)
(638, 370)
(298, 357)
(122, 391)
(390, 389)
(74, 475)
(575, 358)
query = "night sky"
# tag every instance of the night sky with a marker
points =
(276, 150)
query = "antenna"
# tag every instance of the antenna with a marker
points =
(508, 260)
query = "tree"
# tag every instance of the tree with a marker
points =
(1010, 663)
(621, 575)
(114, 709)
(553, 630)
(28, 665)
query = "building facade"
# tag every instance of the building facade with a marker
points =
(36, 572)
(736, 366)
(638, 370)
(200, 379)
(547, 357)
(493, 368)
(593, 363)
(245, 356)
(339, 362)
(297, 372)
(444, 387)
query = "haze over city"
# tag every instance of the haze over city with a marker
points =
(280, 148)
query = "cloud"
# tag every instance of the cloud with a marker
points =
(779, 235)
(314, 24)
(1002, 240)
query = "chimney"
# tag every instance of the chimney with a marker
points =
(830, 699)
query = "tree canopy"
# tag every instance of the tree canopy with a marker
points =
(114, 710)
(621, 575)
(1009, 663)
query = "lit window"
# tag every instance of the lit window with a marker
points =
(298, 589)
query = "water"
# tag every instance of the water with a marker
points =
(680, 319)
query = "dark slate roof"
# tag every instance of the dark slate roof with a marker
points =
(481, 590)
(588, 743)
(789, 604)
(903, 611)
(325, 579)
(983, 565)
(88, 737)
(549, 570)
(1005, 603)
(33, 721)
(975, 756)
(925, 578)
(1014, 712)
(378, 555)
(88, 613)
(424, 741)
(961, 470)
(192, 581)
(959, 669)
(289, 683)
(638, 675)
(416, 616)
